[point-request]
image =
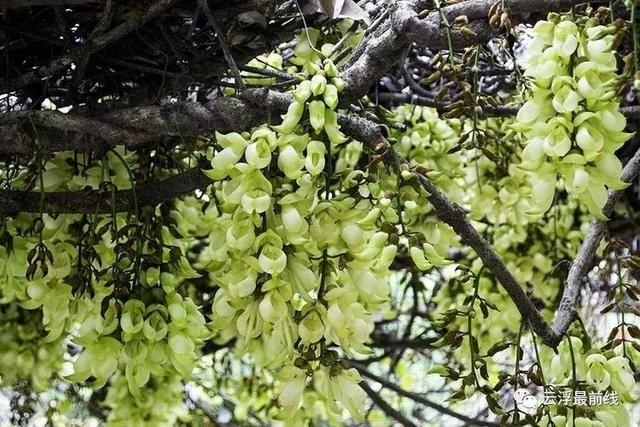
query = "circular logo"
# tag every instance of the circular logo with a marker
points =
(525, 400)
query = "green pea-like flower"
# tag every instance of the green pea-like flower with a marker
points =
(132, 320)
(311, 328)
(316, 115)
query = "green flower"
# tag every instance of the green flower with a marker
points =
(258, 154)
(311, 328)
(565, 38)
(290, 162)
(314, 161)
(132, 320)
(316, 115)
(598, 376)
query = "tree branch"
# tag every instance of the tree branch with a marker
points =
(136, 126)
(584, 259)
(223, 43)
(99, 202)
(378, 52)
(455, 216)
(384, 46)
(93, 45)
(418, 398)
(385, 407)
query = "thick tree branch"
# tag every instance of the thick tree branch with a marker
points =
(99, 202)
(385, 45)
(419, 399)
(584, 259)
(136, 126)
(61, 132)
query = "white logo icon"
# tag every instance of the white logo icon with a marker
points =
(525, 401)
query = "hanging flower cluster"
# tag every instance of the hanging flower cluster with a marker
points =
(571, 120)
(139, 339)
(26, 352)
(595, 372)
(297, 249)
(160, 404)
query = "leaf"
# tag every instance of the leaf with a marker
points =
(355, 12)
(253, 17)
(497, 348)
(608, 308)
(485, 311)
(494, 406)
(634, 331)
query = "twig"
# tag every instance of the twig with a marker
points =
(418, 398)
(271, 72)
(385, 407)
(223, 44)
(90, 47)
(402, 98)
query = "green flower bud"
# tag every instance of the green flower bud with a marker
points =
(331, 128)
(291, 119)
(331, 96)
(417, 255)
(316, 115)
(311, 329)
(302, 91)
(290, 162)
(330, 68)
(339, 84)
(318, 84)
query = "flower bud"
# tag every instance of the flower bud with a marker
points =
(318, 84)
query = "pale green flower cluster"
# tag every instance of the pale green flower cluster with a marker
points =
(427, 141)
(26, 352)
(150, 337)
(301, 262)
(571, 120)
(59, 173)
(147, 341)
(600, 373)
(159, 405)
(49, 294)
